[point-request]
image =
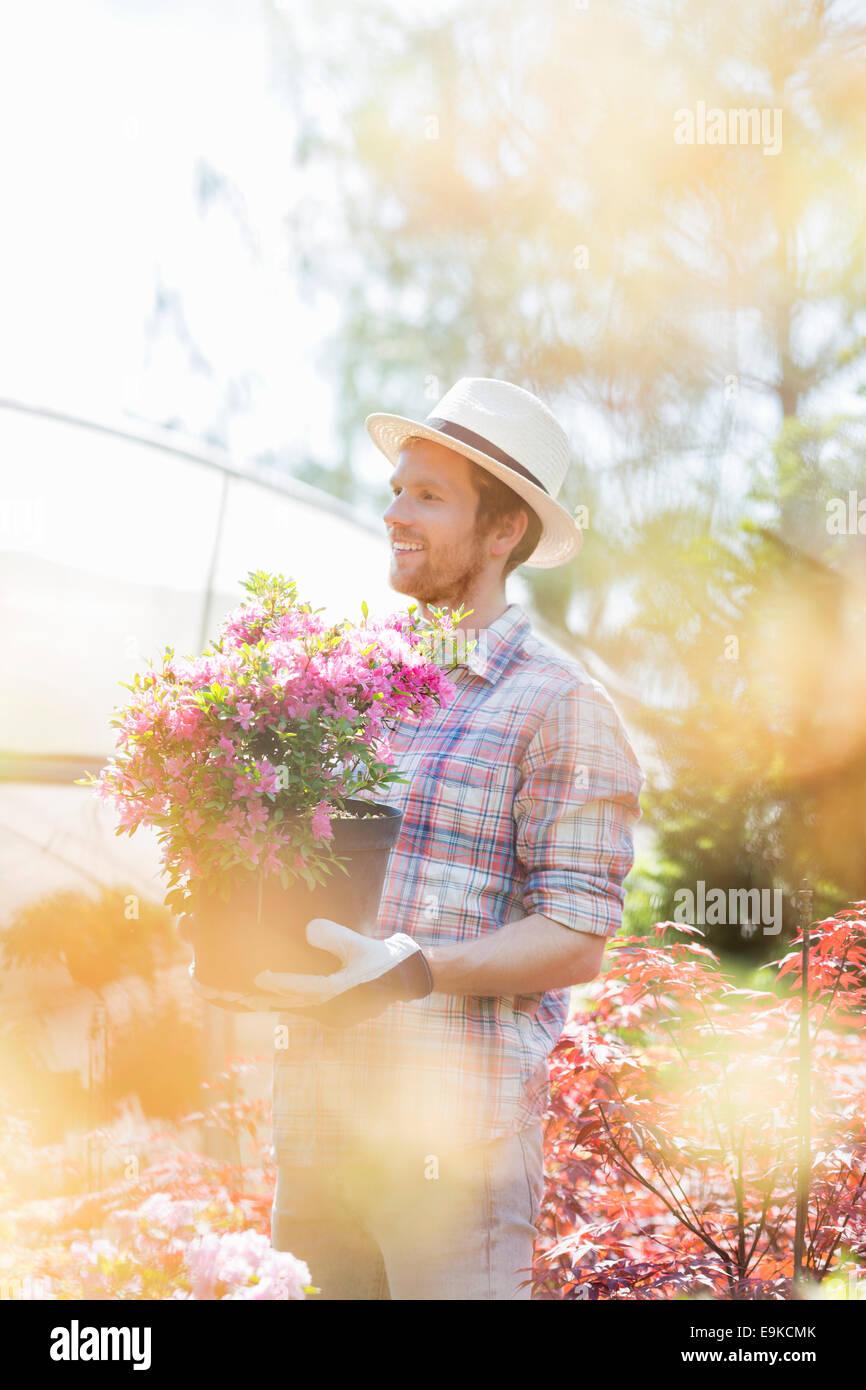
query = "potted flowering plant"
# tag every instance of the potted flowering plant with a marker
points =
(258, 764)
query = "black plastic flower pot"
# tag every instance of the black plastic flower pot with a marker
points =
(261, 926)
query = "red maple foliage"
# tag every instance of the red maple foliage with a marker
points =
(672, 1130)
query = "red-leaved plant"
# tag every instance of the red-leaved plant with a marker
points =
(671, 1135)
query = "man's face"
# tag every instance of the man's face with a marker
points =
(434, 507)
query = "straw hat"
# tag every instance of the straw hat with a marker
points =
(512, 434)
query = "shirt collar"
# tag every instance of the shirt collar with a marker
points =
(497, 644)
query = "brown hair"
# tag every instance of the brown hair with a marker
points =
(497, 500)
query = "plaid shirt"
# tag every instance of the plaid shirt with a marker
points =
(521, 799)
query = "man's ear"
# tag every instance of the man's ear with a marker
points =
(510, 530)
(523, 519)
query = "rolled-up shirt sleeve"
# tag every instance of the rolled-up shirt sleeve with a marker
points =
(575, 810)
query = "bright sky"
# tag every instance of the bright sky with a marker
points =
(107, 109)
(110, 110)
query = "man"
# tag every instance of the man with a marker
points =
(408, 1097)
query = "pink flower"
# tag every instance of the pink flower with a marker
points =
(249, 847)
(104, 790)
(271, 863)
(187, 861)
(202, 1262)
(131, 816)
(244, 714)
(322, 822)
(257, 817)
(243, 786)
(93, 1250)
(167, 1212)
(245, 1265)
(270, 782)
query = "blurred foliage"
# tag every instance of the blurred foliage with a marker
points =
(511, 201)
(153, 1049)
(155, 1054)
(99, 938)
(158, 1055)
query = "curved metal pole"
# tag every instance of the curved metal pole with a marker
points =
(212, 565)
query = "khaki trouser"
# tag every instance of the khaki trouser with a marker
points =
(456, 1225)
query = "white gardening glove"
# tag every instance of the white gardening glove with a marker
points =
(363, 958)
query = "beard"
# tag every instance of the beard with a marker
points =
(446, 578)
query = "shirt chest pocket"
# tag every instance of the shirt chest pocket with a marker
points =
(465, 794)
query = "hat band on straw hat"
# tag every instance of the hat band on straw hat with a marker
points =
(477, 441)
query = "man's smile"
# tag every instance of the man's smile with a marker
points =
(406, 547)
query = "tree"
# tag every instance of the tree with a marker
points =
(513, 198)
